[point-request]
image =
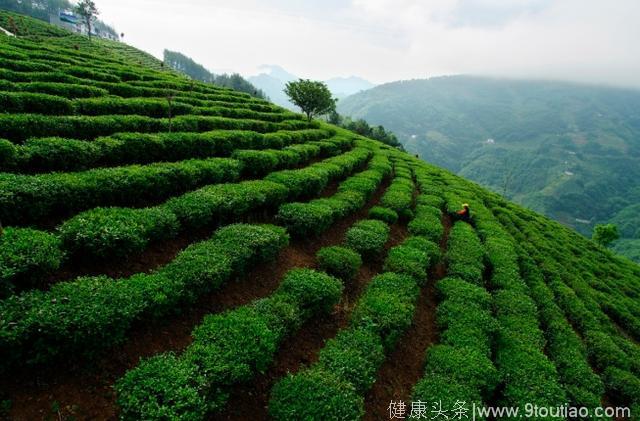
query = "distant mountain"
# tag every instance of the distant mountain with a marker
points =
(569, 151)
(342, 87)
(273, 79)
(272, 82)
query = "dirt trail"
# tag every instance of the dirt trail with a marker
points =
(84, 391)
(301, 349)
(404, 367)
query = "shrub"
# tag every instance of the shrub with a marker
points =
(65, 90)
(399, 195)
(220, 203)
(87, 73)
(281, 314)
(365, 182)
(58, 154)
(339, 207)
(162, 387)
(465, 366)
(457, 290)
(423, 244)
(314, 395)
(103, 233)
(428, 211)
(430, 200)
(339, 261)
(316, 216)
(328, 148)
(116, 232)
(312, 149)
(19, 127)
(465, 254)
(623, 383)
(23, 102)
(306, 182)
(532, 378)
(248, 245)
(151, 107)
(383, 214)
(347, 162)
(387, 306)
(351, 201)
(464, 324)
(318, 291)
(303, 219)
(604, 352)
(87, 315)
(290, 157)
(26, 256)
(8, 154)
(353, 355)
(397, 200)
(517, 315)
(427, 226)
(133, 147)
(257, 162)
(229, 348)
(441, 389)
(409, 261)
(32, 197)
(368, 237)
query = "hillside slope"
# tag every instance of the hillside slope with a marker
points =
(175, 250)
(569, 151)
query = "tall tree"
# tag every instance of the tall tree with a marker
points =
(88, 10)
(313, 97)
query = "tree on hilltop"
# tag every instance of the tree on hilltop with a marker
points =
(313, 97)
(88, 11)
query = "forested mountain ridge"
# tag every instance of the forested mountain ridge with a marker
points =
(189, 67)
(570, 151)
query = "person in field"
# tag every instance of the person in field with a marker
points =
(464, 214)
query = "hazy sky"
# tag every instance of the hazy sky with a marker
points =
(386, 40)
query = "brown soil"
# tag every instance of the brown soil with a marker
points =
(301, 349)
(155, 256)
(404, 367)
(84, 391)
(250, 401)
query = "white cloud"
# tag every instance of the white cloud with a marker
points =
(385, 40)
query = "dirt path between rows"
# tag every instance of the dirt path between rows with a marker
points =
(302, 348)
(404, 367)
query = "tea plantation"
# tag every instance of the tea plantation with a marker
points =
(173, 250)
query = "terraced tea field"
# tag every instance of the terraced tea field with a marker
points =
(175, 250)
